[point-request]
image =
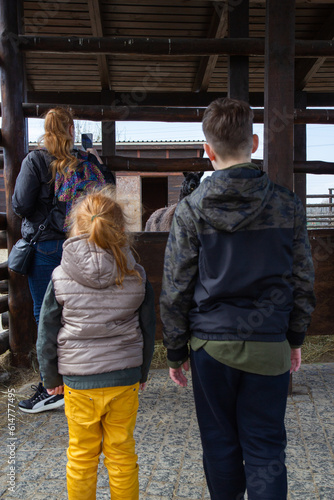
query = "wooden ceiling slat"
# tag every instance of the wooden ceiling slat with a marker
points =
(162, 25)
(61, 16)
(150, 18)
(70, 87)
(159, 66)
(47, 65)
(63, 11)
(157, 18)
(60, 58)
(64, 73)
(162, 71)
(60, 3)
(60, 31)
(159, 9)
(72, 22)
(84, 81)
(145, 32)
(165, 3)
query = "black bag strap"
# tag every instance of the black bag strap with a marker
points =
(44, 224)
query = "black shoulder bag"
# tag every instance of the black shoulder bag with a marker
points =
(22, 253)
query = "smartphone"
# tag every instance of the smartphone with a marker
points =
(87, 141)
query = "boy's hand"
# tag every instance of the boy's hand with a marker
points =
(177, 375)
(56, 391)
(142, 386)
(296, 359)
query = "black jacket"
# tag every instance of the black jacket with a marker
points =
(33, 197)
(238, 263)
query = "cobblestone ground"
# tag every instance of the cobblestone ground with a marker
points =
(168, 444)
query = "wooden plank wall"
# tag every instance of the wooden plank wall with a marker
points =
(2, 193)
(151, 251)
(322, 243)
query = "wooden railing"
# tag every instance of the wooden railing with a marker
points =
(320, 215)
(4, 307)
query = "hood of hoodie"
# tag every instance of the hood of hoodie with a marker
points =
(230, 199)
(90, 265)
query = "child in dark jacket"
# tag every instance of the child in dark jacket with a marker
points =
(238, 287)
(96, 336)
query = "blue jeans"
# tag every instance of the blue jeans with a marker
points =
(241, 421)
(47, 257)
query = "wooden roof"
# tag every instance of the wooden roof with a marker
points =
(165, 18)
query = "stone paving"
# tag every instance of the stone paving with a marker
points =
(168, 444)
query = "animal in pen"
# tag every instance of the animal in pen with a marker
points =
(161, 219)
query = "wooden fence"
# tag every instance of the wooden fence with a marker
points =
(320, 215)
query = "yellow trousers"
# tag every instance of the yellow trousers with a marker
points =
(102, 420)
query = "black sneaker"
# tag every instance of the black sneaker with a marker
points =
(41, 401)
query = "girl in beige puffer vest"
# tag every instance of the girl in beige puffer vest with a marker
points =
(100, 289)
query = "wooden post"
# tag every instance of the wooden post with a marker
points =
(22, 328)
(238, 77)
(279, 91)
(108, 128)
(300, 150)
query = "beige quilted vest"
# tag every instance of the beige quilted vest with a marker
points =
(100, 331)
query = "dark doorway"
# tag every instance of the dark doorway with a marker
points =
(154, 195)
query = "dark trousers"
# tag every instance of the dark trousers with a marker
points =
(47, 257)
(241, 421)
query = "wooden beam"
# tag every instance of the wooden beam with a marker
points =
(314, 48)
(314, 167)
(305, 69)
(238, 66)
(3, 304)
(5, 316)
(298, 2)
(4, 341)
(183, 99)
(218, 29)
(3, 240)
(97, 30)
(178, 114)
(279, 91)
(4, 273)
(142, 46)
(165, 46)
(131, 164)
(122, 163)
(3, 221)
(108, 128)
(14, 132)
(300, 151)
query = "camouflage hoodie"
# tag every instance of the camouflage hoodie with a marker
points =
(238, 263)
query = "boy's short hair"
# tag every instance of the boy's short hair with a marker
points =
(228, 127)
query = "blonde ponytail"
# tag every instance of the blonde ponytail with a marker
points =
(58, 141)
(100, 217)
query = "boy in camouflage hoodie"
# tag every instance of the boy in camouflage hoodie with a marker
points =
(238, 288)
